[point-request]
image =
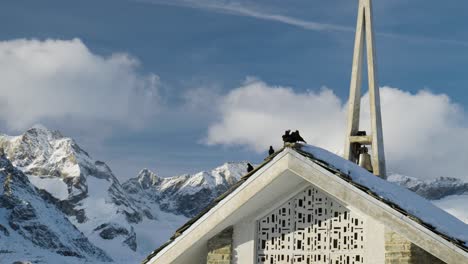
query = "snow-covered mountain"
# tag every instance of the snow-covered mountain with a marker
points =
(186, 194)
(88, 194)
(33, 229)
(85, 190)
(434, 189)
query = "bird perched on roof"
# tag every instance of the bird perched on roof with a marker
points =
(287, 136)
(296, 137)
(293, 137)
(249, 167)
(271, 151)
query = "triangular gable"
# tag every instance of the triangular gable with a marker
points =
(214, 220)
(347, 183)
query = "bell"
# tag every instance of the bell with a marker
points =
(365, 159)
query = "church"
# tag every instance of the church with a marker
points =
(306, 205)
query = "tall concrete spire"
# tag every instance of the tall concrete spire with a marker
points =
(365, 37)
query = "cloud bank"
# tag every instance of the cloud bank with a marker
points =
(63, 80)
(424, 133)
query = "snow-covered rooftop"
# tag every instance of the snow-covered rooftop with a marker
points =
(413, 204)
(405, 201)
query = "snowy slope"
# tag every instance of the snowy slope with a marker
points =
(32, 229)
(90, 196)
(84, 189)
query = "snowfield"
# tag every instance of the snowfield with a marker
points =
(55, 186)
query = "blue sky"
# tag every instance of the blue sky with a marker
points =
(210, 48)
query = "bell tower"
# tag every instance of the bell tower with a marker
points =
(357, 140)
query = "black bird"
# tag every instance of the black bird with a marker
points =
(249, 167)
(287, 136)
(271, 151)
(296, 137)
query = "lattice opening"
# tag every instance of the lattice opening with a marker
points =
(311, 228)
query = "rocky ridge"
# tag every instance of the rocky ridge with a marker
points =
(186, 194)
(85, 190)
(434, 189)
(25, 219)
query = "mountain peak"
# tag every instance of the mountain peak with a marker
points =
(177, 194)
(39, 130)
(47, 153)
(39, 127)
(147, 178)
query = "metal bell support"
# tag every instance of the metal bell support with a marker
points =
(365, 159)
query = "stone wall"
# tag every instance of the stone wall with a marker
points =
(220, 248)
(398, 250)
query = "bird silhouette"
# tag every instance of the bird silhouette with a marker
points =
(249, 167)
(287, 136)
(296, 137)
(271, 151)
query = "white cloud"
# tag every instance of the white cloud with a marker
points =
(63, 80)
(256, 115)
(424, 133)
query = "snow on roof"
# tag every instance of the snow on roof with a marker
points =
(405, 201)
(413, 204)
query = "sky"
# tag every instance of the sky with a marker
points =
(179, 86)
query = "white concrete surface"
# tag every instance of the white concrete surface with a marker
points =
(365, 35)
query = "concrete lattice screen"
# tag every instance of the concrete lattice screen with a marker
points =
(311, 228)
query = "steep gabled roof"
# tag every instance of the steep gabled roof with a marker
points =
(189, 223)
(417, 209)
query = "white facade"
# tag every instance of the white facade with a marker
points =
(309, 227)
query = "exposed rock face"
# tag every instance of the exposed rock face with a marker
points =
(111, 230)
(36, 223)
(47, 153)
(431, 190)
(186, 194)
(69, 178)
(130, 241)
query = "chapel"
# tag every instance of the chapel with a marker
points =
(306, 205)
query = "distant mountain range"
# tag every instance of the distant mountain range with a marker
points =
(432, 190)
(186, 194)
(59, 205)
